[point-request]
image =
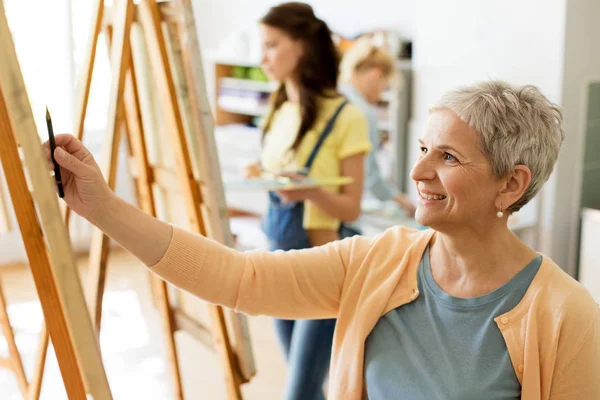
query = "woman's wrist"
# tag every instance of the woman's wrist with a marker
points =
(105, 212)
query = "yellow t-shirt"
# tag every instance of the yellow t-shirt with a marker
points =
(350, 136)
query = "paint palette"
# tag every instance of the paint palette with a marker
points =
(285, 183)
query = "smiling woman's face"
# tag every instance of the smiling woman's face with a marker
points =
(453, 176)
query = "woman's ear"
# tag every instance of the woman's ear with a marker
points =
(515, 185)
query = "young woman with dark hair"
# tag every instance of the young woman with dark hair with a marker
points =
(309, 130)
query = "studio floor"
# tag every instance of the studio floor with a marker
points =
(132, 343)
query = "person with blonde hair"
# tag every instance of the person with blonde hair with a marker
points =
(462, 310)
(365, 72)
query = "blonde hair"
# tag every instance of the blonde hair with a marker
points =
(362, 56)
(518, 125)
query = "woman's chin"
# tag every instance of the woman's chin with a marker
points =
(425, 218)
(420, 218)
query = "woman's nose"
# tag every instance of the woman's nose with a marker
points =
(422, 170)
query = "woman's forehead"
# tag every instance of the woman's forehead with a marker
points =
(270, 31)
(445, 128)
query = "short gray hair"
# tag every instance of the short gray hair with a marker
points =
(518, 125)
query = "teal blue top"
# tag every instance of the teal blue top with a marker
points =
(444, 347)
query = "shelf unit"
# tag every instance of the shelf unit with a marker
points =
(239, 100)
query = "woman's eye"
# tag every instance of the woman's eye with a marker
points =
(423, 150)
(449, 157)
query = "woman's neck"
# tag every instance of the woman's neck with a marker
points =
(469, 265)
(292, 90)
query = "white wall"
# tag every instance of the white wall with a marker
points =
(549, 43)
(581, 62)
(460, 42)
(216, 19)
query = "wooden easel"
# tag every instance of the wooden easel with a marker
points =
(46, 241)
(125, 115)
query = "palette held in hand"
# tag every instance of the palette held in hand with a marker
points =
(268, 182)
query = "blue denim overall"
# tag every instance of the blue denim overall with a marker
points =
(306, 343)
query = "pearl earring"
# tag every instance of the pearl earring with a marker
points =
(499, 214)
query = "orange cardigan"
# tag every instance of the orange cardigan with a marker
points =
(552, 335)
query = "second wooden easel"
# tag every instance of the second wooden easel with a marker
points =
(124, 115)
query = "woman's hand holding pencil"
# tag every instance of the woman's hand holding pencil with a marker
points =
(85, 190)
(88, 194)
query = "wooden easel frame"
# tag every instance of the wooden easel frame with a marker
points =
(188, 74)
(125, 113)
(46, 241)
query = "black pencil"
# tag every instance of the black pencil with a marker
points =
(57, 177)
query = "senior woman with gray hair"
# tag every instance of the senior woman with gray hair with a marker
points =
(463, 310)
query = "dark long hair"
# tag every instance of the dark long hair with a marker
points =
(318, 67)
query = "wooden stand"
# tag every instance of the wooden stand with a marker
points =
(125, 119)
(46, 240)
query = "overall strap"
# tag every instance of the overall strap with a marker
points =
(326, 132)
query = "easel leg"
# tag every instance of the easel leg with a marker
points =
(96, 276)
(150, 18)
(233, 376)
(35, 387)
(144, 181)
(85, 80)
(38, 257)
(168, 321)
(187, 63)
(13, 352)
(120, 54)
